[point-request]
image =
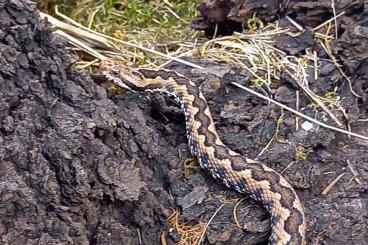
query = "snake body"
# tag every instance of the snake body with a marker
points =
(238, 172)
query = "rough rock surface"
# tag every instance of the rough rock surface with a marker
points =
(79, 165)
(307, 13)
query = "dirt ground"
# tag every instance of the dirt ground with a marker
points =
(79, 165)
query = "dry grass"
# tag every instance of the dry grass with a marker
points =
(157, 24)
(189, 234)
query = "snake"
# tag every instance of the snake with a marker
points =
(238, 172)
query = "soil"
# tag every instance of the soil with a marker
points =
(80, 165)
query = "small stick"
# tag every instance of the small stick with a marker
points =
(80, 44)
(315, 62)
(208, 223)
(328, 21)
(297, 108)
(332, 184)
(334, 13)
(139, 236)
(353, 171)
(293, 22)
(234, 212)
(340, 69)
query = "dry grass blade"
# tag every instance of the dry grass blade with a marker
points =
(82, 45)
(234, 213)
(328, 21)
(340, 70)
(75, 31)
(354, 172)
(334, 13)
(332, 184)
(294, 23)
(208, 223)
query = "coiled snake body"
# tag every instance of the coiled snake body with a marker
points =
(235, 171)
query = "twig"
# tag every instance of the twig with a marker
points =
(315, 63)
(328, 21)
(332, 184)
(92, 17)
(266, 147)
(80, 44)
(139, 236)
(169, 8)
(297, 109)
(334, 13)
(77, 31)
(319, 236)
(293, 22)
(298, 113)
(163, 238)
(87, 64)
(340, 70)
(353, 171)
(234, 212)
(208, 223)
(275, 136)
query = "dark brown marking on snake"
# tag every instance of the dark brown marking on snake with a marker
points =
(293, 220)
(199, 102)
(205, 121)
(154, 73)
(220, 152)
(260, 175)
(239, 163)
(211, 137)
(193, 91)
(288, 196)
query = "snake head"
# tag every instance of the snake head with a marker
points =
(122, 75)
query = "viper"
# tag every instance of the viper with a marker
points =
(238, 172)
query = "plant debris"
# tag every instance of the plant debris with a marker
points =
(82, 164)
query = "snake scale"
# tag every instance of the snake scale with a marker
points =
(236, 171)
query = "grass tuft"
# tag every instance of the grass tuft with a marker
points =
(157, 19)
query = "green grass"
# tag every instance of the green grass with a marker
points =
(158, 20)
